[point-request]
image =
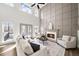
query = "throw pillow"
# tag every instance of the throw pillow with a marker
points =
(66, 38)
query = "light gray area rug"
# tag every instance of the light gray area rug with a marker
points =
(54, 49)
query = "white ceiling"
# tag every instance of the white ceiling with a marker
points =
(28, 4)
(34, 8)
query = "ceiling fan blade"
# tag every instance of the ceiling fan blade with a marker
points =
(41, 3)
(38, 7)
(32, 5)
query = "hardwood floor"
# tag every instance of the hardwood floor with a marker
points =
(12, 52)
(72, 52)
(8, 50)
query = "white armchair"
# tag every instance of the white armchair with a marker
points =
(67, 41)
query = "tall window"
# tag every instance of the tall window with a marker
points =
(26, 30)
(7, 31)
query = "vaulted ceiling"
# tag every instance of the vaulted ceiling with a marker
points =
(29, 5)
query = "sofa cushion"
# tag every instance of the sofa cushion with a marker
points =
(35, 47)
(26, 47)
(66, 38)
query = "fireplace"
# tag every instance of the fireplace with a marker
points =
(52, 35)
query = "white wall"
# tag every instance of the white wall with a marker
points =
(10, 14)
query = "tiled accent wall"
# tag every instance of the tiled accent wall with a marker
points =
(64, 17)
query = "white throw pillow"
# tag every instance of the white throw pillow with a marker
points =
(26, 47)
(66, 38)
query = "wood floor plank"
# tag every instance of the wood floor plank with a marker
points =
(72, 52)
(11, 52)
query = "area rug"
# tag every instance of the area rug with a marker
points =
(54, 49)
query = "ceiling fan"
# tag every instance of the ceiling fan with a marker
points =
(37, 4)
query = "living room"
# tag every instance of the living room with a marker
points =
(54, 26)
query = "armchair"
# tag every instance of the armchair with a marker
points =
(67, 42)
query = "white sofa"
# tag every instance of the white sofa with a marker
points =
(42, 52)
(67, 41)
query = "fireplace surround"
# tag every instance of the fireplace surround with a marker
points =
(51, 35)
